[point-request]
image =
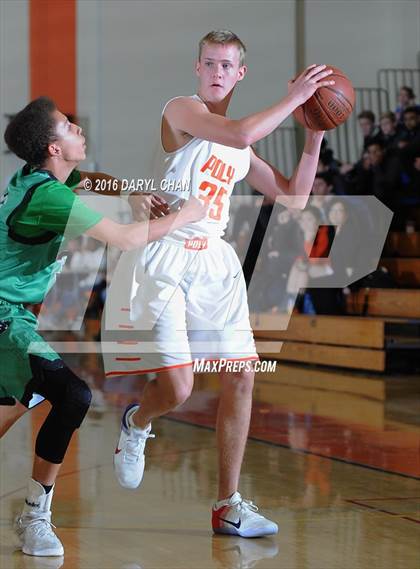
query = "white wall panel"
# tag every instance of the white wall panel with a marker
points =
(135, 55)
(14, 73)
(362, 36)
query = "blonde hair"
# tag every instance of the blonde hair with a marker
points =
(223, 37)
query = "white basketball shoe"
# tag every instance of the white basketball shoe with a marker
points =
(129, 454)
(33, 527)
(236, 516)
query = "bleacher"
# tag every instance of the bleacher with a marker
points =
(385, 338)
(379, 333)
(402, 258)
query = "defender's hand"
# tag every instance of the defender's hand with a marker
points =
(148, 206)
(193, 210)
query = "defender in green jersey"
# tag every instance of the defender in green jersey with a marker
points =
(37, 209)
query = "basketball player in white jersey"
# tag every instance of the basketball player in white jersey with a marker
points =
(189, 293)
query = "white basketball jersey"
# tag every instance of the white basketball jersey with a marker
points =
(208, 171)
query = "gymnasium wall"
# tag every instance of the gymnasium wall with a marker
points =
(14, 73)
(143, 53)
(134, 55)
(362, 36)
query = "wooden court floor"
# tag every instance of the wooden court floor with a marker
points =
(341, 498)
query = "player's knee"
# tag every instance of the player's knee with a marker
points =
(69, 396)
(241, 382)
(178, 393)
(77, 402)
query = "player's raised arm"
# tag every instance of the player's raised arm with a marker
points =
(134, 235)
(191, 116)
(143, 205)
(293, 192)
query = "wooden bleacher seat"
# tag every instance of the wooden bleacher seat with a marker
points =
(362, 343)
(406, 272)
(347, 342)
(401, 244)
(398, 303)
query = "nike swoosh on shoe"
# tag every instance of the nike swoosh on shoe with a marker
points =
(237, 524)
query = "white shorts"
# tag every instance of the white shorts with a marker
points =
(188, 301)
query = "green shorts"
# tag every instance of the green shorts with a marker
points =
(22, 364)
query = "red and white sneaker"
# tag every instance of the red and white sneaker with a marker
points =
(236, 516)
(129, 454)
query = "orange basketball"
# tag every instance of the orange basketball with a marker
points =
(329, 106)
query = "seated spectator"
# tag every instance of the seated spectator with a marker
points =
(341, 263)
(409, 137)
(377, 174)
(326, 157)
(281, 247)
(410, 132)
(412, 188)
(333, 169)
(312, 260)
(344, 254)
(322, 192)
(390, 131)
(370, 131)
(406, 98)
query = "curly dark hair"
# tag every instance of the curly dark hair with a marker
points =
(31, 131)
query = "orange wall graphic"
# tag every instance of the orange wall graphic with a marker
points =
(52, 59)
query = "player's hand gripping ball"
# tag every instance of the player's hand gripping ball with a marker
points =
(330, 105)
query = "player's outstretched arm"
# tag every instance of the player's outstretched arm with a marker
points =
(191, 116)
(134, 235)
(143, 205)
(293, 192)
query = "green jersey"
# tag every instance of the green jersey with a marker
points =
(36, 211)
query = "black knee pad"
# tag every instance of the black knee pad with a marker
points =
(76, 402)
(69, 396)
(70, 399)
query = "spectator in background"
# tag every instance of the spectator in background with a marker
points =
(341, 264)
(377, 174)
(412, 190)
(312, 259)
(322, 192)
(406, 98)
(284, 244)
(326, 158)
(327, 164)
(390, 131)
(410, 132)
(370, 132)
(409, 138)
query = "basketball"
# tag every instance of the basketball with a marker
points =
(329, 106)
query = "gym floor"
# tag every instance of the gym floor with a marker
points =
(344, 492)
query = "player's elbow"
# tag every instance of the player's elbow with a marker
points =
(123, 239)
(300, 202)
(129, 243)
(242, 138)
